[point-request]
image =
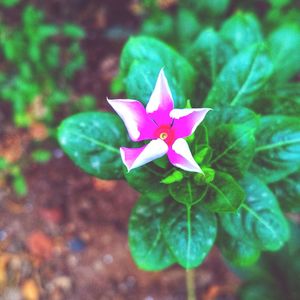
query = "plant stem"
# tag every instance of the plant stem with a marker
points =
(190, 284)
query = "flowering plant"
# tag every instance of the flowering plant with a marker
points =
(230, 172)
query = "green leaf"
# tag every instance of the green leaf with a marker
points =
(208, 7)
(186, 192)
(19, 185)
(158, 25)
(256, 289)
(237, 251)
(220, 116)
(4, 164)
(234, 148)
(9, 3)
(206, 177)
(146, 242)
(224, 194)
(41, 155)
(141, 60)
(284, 44)
(279, 3)
(187, 26)
(231, 134)
(242, 78)
(241, 30)
(92, 140)
(281, 99)
(208, 54)
(189, 232)
(176, 176)
(259, 221)
(287, 192)
(73, 31)
(147, 180)
(278, 148)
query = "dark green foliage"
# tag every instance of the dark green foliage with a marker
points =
(189, 232)
(276, 276)
(287, 191)
(278, 148)
(92, 140)
(244, 66)
(242, 78)
(259, 218)
(146, 241)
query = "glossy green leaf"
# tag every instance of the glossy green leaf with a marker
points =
(224, 194)
(146, 243)
(221, 116)
(189, 232)
(242, 78)
(234, 148)
(284, 44)
(147, 180)
(141, 60)
(187, 26)
(287, 192)
(259, 219)
(278, 148)
(241, 30)
(208, 54)
(281, 99)
(92, 140)
(237, 251)
(186, 192)
(231, 135)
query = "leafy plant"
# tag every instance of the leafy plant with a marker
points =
(249, 153)
(39, 60)
(276, 275)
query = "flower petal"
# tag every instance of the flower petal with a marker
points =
(136, 157)
(161, 101)
(180, 156)
(139, 126)
(187, 120)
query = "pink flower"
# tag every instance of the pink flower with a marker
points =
(161, 123)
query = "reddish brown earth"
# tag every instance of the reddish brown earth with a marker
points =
(65, 204)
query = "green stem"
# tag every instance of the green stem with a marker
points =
(190, 284)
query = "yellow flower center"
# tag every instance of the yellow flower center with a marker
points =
(163, 135)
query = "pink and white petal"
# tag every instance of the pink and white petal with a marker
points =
(139, 126)
(186, 120)
(180, 156)
(161, 102)
(136, 157)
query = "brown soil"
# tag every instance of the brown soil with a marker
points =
(64, 204)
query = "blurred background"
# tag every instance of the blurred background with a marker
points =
(63, 234)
